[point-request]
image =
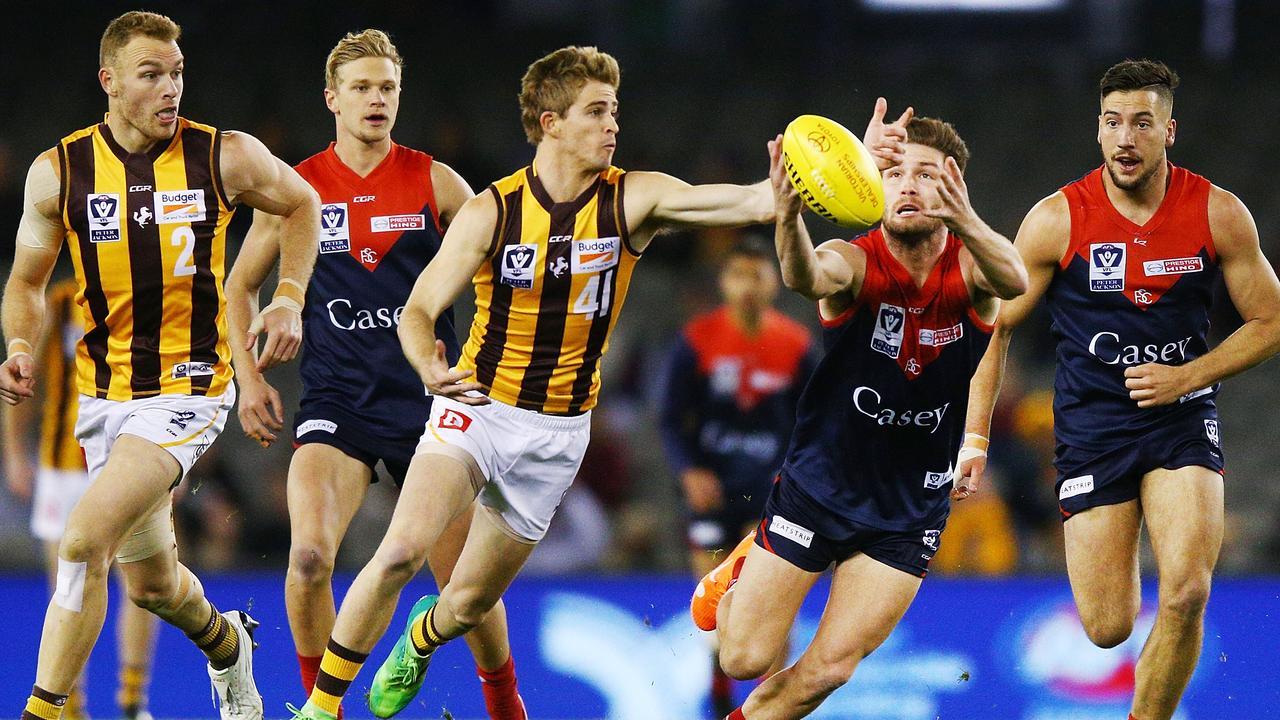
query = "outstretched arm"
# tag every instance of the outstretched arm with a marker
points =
(255, 177)
(1251, 283)
(260, 408)
(465, 247)
(1041, 242)
(656, 201)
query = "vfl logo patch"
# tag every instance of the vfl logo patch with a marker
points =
(104, 217)
(1106, 267)
(1211, 430)
(451, 419)
(935, 480)
(1075, 486)
(1173, 266)
(518, 265)
(887, 338)
(335, 234)
(191, 369)
(397, 223)
(781, 527)
(590, 256)
(313, 425)
(179, 206)
(938, 338)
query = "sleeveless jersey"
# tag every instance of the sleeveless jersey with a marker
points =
(377, 234)
(881, 420)
(550, 293)
(59, 449)
(147, 234)
(1125, 295)
(730, 400)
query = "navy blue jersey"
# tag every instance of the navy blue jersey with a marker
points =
(1125, 295)
(730, 399)
(881, 420)
(377, 234)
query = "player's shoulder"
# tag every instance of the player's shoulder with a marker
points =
(1046, 229)
(1231, 225)
(315, 163)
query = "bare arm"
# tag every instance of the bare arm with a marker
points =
(1041, 242)
(655, 201)
(260, 408)
(40, 236)
(255, 177)
(464, 248)
(452, 192)
(1251, 283)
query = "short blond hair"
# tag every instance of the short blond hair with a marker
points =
(130, 25)
(356, 45)
(554, 81)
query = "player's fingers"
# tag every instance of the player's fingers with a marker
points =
(266, 359)
(472, 400)
(1136, 371)
(882, 107)
(906, 116)
(456, 375)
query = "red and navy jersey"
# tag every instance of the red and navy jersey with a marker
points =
(730, 398)
(377, 234)
(881, 420)
(1126, 295)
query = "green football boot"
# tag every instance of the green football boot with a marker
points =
(401, 674)
(308, 712)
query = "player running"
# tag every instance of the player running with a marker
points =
(384, 207)
(906, 311)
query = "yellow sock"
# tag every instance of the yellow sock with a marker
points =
(423, 634)
(338, 668)
(133, 683)
(44, 705)
(218, 641)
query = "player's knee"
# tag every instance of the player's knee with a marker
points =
(310, 563)
(744, 661)
(79, 547)
(1184, 599)
(397, 562)
(153, 593)
(1108, 631)
(825, 678)
(470, 605)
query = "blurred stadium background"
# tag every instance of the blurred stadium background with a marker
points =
(598, 621)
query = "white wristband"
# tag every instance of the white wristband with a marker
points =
(26, 350)
(279, 302)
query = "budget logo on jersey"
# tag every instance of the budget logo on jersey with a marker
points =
(941, 336)
(335, 234)
(179, 206)
(595, 255)
(518, 265)
(104, 217)
(887, 337)
(1172, 266)
(1106, 267)
(397, 223)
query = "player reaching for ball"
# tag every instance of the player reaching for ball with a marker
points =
(906, 311)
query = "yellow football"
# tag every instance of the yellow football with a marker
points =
(834, 173)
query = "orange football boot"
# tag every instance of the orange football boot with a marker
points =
(706, 597)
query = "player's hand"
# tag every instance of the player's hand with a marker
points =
(20, 474)
(17, 378)
(887, 143)
(1154, 384)
(786, 201)
(952, 203)
(971, 463)
(702, 490)
(283, 326)
(261, 411)
(440, 379)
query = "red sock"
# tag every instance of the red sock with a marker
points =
(308, 667)
(501, 694)
(736, 715)
(1133, 717)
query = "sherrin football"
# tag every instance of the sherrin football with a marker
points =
(834, 174)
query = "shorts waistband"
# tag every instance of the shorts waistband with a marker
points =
(558, 423)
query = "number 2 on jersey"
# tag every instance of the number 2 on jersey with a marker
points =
(186, 237)
(595, 296)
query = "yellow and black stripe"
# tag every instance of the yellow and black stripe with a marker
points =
(147, 235)
(540, 330)
(338, 668)
(59, 449)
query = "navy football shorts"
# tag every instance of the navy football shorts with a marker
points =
(785, 532)
(1089, 479)
(324, 423)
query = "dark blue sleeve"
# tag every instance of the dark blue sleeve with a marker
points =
(680, 395)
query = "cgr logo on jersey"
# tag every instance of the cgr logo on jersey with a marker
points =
(596, 255)
(335, 235)
(191, 369)
(518, 265)
(887, 338)
(1173, 266)
(451, 419)
(397, 223)
(179, 206)
(1106, 267)
(104, 217)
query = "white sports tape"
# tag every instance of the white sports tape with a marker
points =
(151, 535)
(280, 301)
(34, 229)
(968, 453)
(26, 348)
(68, 593)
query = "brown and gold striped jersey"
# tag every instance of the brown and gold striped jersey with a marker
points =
(549, 294)
(59, 449)
(147, 234)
